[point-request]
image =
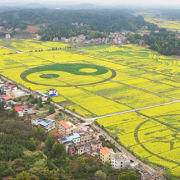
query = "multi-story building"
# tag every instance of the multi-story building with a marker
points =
(119, 161)
(52, 92)
(39, 94)
(105, 155)
(72, 138)
(47, 124)
(65, 128)
(96, 145)
(85, 137)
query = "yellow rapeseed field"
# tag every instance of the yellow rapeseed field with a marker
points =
(95, 81)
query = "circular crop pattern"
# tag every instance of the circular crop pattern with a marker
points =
(88, 73)
(49, 76)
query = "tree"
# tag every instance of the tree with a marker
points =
(12, 113)
(48, 175)
(23, 176)
(129, 175)
(49, 100)
(58, 150)
(39, 103)
(81, 163)
(51, 110)
(101, 175)
(50, 141)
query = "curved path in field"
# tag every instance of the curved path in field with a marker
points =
(20, 52)
(23, 76)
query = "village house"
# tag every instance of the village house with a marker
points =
(55, 39)
(28, 109)
(63, 38)
(1, 27)
(66, 128)
(81, 37)
(67, 40)
(8, 36)
(119, 161)
(141, 42)
(105, 155)
(72, 138)
(83, 148)
(85, 137)
(96, 145)
(18, 30)
(52, 92)
(7, 100)
(71, 149)
(2, 84)
(11, 90)
(47, 124)
(38, 94)
(19, 110)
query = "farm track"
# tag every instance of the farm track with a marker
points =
(20, 52)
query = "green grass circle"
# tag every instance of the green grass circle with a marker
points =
(49, 76)
(73, 68)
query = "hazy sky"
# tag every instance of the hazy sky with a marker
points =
(98, 2)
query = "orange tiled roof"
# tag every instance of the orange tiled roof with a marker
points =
(65, 124)
(7, 97)
(105, 151)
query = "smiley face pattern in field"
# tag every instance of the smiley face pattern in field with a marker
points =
(64, 75)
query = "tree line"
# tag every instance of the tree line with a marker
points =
(97, 20)
(164, 42)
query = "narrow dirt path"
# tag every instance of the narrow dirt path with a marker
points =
(20, 52)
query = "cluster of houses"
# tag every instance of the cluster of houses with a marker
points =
(114, 38)
(120, 37)
(44, 97)
(79, 139)
(9, 91)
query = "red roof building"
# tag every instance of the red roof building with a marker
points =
(11, 86)
(57, 134)
(18, 108)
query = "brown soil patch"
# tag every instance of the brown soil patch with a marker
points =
(8, 178)
(32, 29)
(66, 103)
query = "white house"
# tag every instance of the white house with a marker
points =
(119, 161)
(28, 110)
(39, 94)
(8, 36)
(52, 92)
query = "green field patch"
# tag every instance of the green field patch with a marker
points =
(49, 76)
(70, 68)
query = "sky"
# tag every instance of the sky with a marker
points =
(97, 2)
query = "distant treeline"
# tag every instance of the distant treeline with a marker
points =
(98, 20)
(163, 42)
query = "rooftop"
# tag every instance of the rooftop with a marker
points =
(96, 142)
(65, 124)
(18, 108)
(46, 122)
(70, 138)
(42, 93)
(105, 151)
(7, 97)
(51, 89)
(12, 86)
